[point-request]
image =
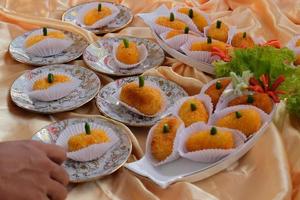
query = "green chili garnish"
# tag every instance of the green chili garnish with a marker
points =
(50, 78)
(45, 31)
(141, 81)
(172, 17)
(250, 99)
(213, 130)
(218, 85)
(219, 24)
(126, 43)
(238, 115)
(193, 107)
(166, 128)
(186, 30)
(191, 13)
(87, 128)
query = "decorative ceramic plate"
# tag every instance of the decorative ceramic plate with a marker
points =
(17, 51)
(98, 56)
(87, 90)
(108, 163)
(118, 112)
(123, 18)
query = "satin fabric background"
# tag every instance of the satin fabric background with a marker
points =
(271, 170)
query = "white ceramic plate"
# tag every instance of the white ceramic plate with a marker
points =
(17, 51)
(120, 113)
(98, 56)
(123, 18)
(87, 90)
(108, 163)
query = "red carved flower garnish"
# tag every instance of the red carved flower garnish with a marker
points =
(263, 86)
(273, 43)
(224, 55)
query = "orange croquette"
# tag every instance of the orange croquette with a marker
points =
(218, 32)
(216, 90)
(242, 40)
(43, 84)
(128, 55)
(165, 21)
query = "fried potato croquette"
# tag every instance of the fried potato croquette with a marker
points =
(216, 90)
(260, 100)
(193, 110)
(32, 40)
(242, 40)
(248, 121)
(171, 22)
(44, 83)
(207, 46)
(92, 16)
(148, 100)
(84, 140)
(163, 137)
(199, 20)
(127, 52)
(218, 31)
(210, 139)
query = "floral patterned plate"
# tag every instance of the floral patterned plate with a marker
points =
(88, 89)
(172, 90)
(98, 56)
(17, 51)
(123, 18)
(111, 161)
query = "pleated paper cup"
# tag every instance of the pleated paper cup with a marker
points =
(54, 92)
(208, 155)
(265, 118)
(225, 101)
(48, 46)
(177, 41)
(91, 152)
(231, 33)
(100, 23)
(143, 52)
(133, 109)
(212, 82)
(193, 27)
(203, 56)
(292, 44)
(173, 156)
(206, 100)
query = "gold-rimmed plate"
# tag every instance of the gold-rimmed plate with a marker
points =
(124, 17)
(108, 163)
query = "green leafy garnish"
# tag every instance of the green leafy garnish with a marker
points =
(87, 128)
(99, 7)
(238, 115)
(126, 43)
(50, 78)
(141, 81)
(213, 130)
(191, 13)
(172, 17)
(45, 31)
(219, 23)
(166, 128)
(193, 107)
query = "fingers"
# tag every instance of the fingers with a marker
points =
(56, 153)
(60, 175)
(56, 191)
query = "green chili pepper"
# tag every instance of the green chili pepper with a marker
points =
(193, 107)
(213, 130)
(250, 99)
(50, 78)
(166, 128)
(191, 13)
(238, 115)
(141, 81)
(99, 7)
(172, 17)
(218, 85)
(126, 43)
(186, 30)
(87, 128)
(45, 31)
(219, 23)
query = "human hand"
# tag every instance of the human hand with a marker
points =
(31, 170)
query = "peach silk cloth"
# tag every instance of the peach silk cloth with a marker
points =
(271, 170)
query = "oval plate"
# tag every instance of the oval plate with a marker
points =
(17, 51)
(123, 18)
(172, 90)
(111, 161)
(98, 56)
(88, 89)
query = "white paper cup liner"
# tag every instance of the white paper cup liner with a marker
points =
(54, 92)
(208, 155)
(188, 20)
(173, 156)
(143, 52)
(231, 32)
(203, 56)
(100, 23)
(210, 83)
(177, 41)
(224, 103)
(133, 109)
(292, 45)
(206, 100)
(47, 47)
(265, 118)
(91, 152)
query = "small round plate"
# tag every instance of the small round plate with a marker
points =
(98, 56)
(123, 18)
(88, 89)
(111, 161)
(172, 90)
(17, 51)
